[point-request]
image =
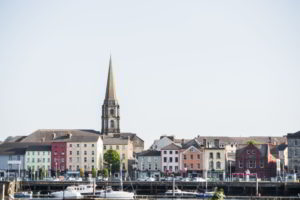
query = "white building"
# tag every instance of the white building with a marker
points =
(214, 163)
(170, 158)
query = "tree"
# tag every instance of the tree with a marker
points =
(41, 173)
(81, 172)
(94, 172)
(112, 158)
(253, 142)
(105, 172)
(218, 195)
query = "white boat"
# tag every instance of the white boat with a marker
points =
(19, 195)
(69, 192)
(111, 194)
(178, 192)
(84, 189)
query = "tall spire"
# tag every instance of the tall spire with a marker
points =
(110, 107)
(110, 87)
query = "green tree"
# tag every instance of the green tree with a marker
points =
(81, 172)
(105, 172)
(253, 142)
(94, 172)
(218, 195)
(112, 158)
(41, 173)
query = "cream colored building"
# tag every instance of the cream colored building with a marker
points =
(214, 163)
(85, 152)
(123, 146)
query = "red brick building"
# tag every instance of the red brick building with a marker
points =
(59, 157)
(256, 158)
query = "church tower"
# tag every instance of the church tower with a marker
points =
(110, 107)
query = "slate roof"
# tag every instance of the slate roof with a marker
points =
(242, 140)
(172, 146)
(149, 153)
(114, 141)
(190, 143)
(62, 135)
(15, 148)
(294, 135)
(263, 148)
(39, 148)
(14, 138)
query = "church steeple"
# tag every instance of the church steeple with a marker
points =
(110, 87)
(110, 107)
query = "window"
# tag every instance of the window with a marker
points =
(70, 145)
(77, 167)
(78, 159)
(112, 124)
(170, 159)
(248, 151)
(184, 165)
(78, 145)
(198, 156)
(85, 153)
(33, 153)
(211, 155)
(38, 160)
(38, 153)
(93, 153)
(70, 159)
(165, 152)
(123, 156)
(176, 168)
(218, 155)
(192, 157)
(93, 145)
(48, 160)
(165, 159)
(240, 164)
(198, 166)
(85, 159)
(296, 142)
(112, 112)
(110, 147)
(93, 159)
(143, 166)
(44, 159)
(192, 166)
(170, 152)
(165, 168)
(170, 168)
(218, 165)
(43, 153)
(149, 166)
(176, 159)
(117, 147)
(211, 165)
(184, 157)
(77, 153)
(85, 145)
(70, 152)
(252, 164)
(176, 152)
(261, 164)
(70, 167)
(156, 166)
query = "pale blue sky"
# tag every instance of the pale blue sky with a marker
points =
(187, 68)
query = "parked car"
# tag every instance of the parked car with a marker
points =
(141, 179)
(170, 178)
(198, 179)
(186, 179)
(150, 179)
(79, 179)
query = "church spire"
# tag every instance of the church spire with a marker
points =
(110, 107)
(110, 87)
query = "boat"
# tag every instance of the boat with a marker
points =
(27, 195)
(112, 194)
(109, 193)
(180, 193)
(88, 189)
(205, 195)
(69, 192)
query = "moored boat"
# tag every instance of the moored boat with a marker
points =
(69, 192)
(23, 195)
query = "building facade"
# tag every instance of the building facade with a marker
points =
(84, 153)
(214, 163)
(58, 157)
(294, 152)
(257, 159)
(170, 159)
(38, 157)
(149, 164)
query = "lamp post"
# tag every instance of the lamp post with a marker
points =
(230, 178)
(56, 169)
(110, 172)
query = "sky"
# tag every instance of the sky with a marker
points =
(183, 68)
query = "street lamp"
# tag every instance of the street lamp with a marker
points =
(230, 178)
(110, 172)
(56, 169)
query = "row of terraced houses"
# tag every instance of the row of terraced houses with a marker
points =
(69, 150)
